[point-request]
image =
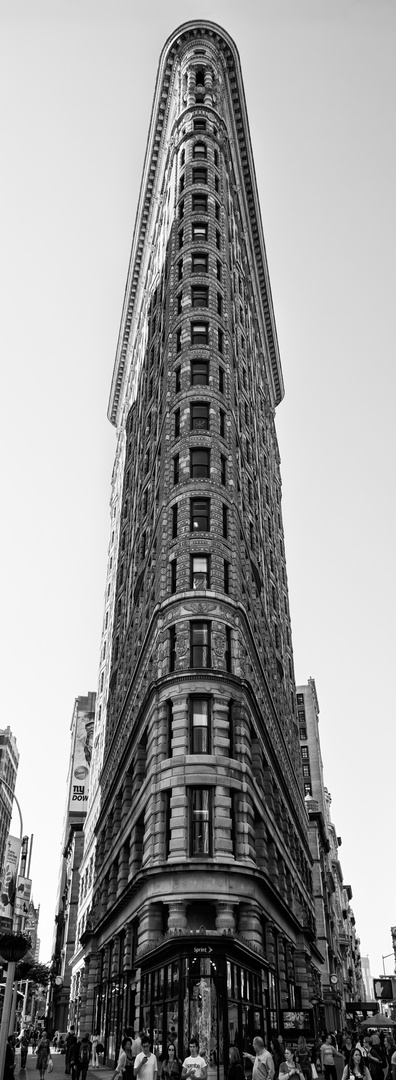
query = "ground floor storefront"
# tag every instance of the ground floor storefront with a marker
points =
(213, 987)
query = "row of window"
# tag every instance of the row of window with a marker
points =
(200, 708)
(199, 517)
(199, 336)
(199, 465)
(199, 205)
(200, 298)
(199, 265)
(199, 375)
(200, 573)
(199, 418)
(200, 645)
(199, 232)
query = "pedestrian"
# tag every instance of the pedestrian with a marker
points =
(171, 1066)
(9, 1064)
(194, 1065)
(24, 1045)
(43, 1054)
(235, 1071)
(263, 1062)
(347, 1048)
(94, 1049)
(277, 1053)
(71, 1039)
(390, 1050)
(356, 1067)
(81, 1056)
(303, 1058)
(376, 1059)
(327, 1059)
(146, 1066)
(290, 1067)
(125, 1063)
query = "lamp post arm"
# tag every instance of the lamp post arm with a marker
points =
(4, 782)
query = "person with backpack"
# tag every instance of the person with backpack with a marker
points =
(81, 1052)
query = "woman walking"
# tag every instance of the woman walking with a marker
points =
(303, 1058)
(235, 1071)
(126, 1060)
(43, 1054)
(289, 1066)
(171, 1066)
(356, 1068)
(327, 1059)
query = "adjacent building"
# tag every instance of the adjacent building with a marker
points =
(196, 912)
(341, 970)
(66, 929)
(9, 761)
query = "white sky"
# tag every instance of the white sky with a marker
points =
(77, 81)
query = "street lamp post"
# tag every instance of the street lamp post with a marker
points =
(386, 957)
(11, 956)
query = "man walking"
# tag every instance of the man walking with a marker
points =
(263, 1062)
(145, 1066)
(81, 1056)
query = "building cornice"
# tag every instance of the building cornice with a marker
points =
(197, 30)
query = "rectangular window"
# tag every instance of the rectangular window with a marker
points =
(216, 157)
(306, 772)
(178, 341)
(227, 655)
(200, 334)
(304, 753)
(169, 717)
(200, 571)
(200, 175)
(199, 203)
(221, 380)
(219, 305)
(199, 416)
(217, 212)
(225, 521)
(200, 835)
(200, 725)
(199, 463)
(177, 380)
(200, 644)
(177, 423)
(199, 262)
(300, 699)
(199, 150)
(217, 184)
(179, 303)
(218, 270)
(303, 733)
(173, 575)
(172, 647)
(307, 789)
(199, 230)
(222, 423)
(181, 209)
(180, 270)
(199, 373)
(200, 124)
(176, 469)
(218, 240)
(226, 576)
(174, 521)
(200, 515)
(223, 469)
(181, 239)
(199, 296)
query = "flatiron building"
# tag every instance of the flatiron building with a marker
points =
(196, 907)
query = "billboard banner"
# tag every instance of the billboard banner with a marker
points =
(23, 892)
(9, 880)
(79, 785)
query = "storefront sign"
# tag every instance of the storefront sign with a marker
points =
(203, 950)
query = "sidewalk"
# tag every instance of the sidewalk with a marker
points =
(102, 1073)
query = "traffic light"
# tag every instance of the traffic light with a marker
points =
(383, 990)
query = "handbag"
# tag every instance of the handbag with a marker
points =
(314, 1071)
(50, 1065)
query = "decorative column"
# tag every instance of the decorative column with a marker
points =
(273, 863)
(249, 925)
(208, 98)
(126, 796)
(271, 944)
(117, 815)
(302, 980)
(113, 875)
(128, 948)
(123, 867)
(282, 973)
(177, 915)
(225, 917)
(150, 925)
